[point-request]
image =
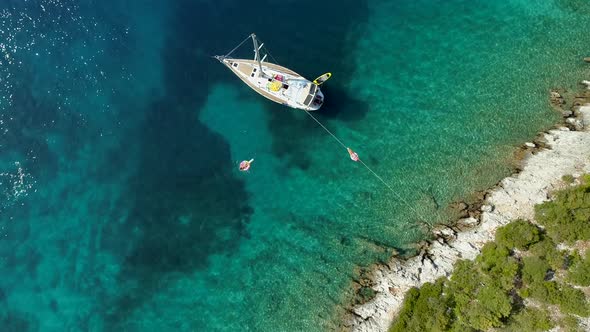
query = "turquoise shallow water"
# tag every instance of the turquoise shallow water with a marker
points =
(122, 208)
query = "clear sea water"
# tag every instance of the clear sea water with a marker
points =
(121, 205)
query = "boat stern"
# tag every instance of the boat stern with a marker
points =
(310, 97)
(317, 101)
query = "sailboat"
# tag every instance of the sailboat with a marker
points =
(277, 83)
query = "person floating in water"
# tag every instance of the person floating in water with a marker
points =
(245, 165)
(353, 155)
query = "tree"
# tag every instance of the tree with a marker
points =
(567, 217)
(518, 234)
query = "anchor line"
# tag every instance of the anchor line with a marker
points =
(369, 169)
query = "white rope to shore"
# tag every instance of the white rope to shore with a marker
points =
(370, 170)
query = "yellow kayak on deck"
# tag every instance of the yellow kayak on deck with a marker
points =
(322, 78)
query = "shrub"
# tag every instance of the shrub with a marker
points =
(492, 255)
(518, 234)
(424, 309)
(497, 304)
(495, 263)
(572, 300)
(407, 310)
(464, 282)
(567, 218)
(479, 289)
(568, 178)
(534, 269)
(537, 290)
(477, 317)
(529, 319)
(579, 272)
(486, 309)
(546, 250)
(569, 299)
(570, 324)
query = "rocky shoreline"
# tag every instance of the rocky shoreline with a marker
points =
(564, 150)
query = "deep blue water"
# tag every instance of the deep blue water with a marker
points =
(122, 208)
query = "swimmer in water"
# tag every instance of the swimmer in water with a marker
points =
(353, 155)
(245, 165)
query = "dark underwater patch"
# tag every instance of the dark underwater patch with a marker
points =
(14, 321)
(185, 169)
(186, 201)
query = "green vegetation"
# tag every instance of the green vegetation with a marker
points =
(479, 290)
(490, 307)
(476, 296)
(579, 272)
(547, 250)
(569, 299)
(534, 269)
(497, 266)
(432, 306)
(529, 319)
(569, 179)
(567, 217)
(519, 234)
(570, 324)
(463, 283)
(487, 293)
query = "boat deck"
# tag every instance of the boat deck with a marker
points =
(246, 68)
(272, 81)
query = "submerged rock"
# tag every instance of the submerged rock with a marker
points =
(461, 208)
(556, 99)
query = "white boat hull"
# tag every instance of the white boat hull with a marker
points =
(277, 83)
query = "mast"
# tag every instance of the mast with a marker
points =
(257, 52)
